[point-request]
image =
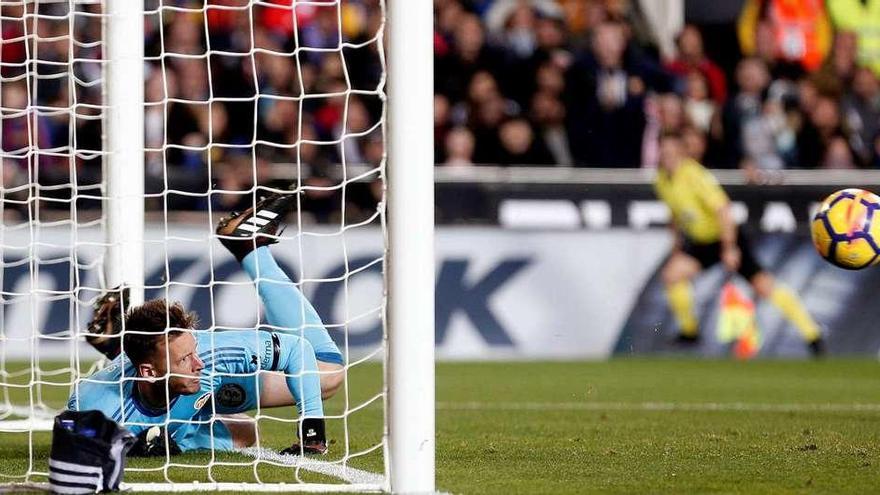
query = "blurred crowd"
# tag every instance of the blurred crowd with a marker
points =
(237, 94)
(242, 94)
(594, 83)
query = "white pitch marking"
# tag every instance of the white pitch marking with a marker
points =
(25, 425)
(38, 419)
(345, 473)
(657, 406)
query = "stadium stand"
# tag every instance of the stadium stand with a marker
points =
(586, 83)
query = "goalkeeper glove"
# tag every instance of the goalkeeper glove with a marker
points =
(107, 322)
(152, 442)
(314, 440)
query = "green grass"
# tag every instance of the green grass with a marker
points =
(624, 426)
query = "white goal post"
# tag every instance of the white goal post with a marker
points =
(123, 144)
(403, 218)
(411, 247)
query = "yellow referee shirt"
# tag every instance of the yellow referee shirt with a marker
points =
(694, 197)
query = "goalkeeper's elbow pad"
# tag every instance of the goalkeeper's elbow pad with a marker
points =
(153, 442)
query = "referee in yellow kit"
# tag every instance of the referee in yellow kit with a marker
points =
(706, 234)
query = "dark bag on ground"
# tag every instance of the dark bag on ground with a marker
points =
(88, 453)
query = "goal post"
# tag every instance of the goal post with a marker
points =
(410, 180)
(123, 144)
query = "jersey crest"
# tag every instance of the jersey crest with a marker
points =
(231, 395)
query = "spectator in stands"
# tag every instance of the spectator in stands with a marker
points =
(459, 147)
(276, 75)
(795, 33)
(700, 108)
(822, 126)
(321, 32)
(469, 54)
(518, 34)
(154, 119)
(548, 114)
(665, 114)
(14, 183)
(233, 177)
(863, 18)
(331, 110)
(484, 111)
(672, 116)
(514, 22)
(447, 14)
(876, 162)
(185, 36)
(691, 57)
(637, 30)
(606, 95)
(567, 82)
(840, 66)
(861, 111)
(759, 137)
(17, 130)
(531, 35)
(484, 123)
(442, 124)
(838, 155)
(550, 78)
(481, 88)
(520, 146)
(273, 123)
(354, 146)
(807, 94)
(552, 41)
(752, 79)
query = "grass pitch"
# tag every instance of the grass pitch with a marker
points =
(623, 426)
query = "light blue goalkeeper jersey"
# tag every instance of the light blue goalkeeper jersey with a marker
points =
(299, 337)
(228, 385)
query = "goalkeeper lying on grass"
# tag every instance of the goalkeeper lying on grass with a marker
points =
(188, 390)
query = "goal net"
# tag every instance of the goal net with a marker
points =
(241, 99)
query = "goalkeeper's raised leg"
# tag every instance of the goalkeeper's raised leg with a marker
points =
(247, 236)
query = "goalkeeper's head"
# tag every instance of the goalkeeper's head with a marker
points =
(159, 342)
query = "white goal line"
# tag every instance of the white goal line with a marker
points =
(334, 469)
(42, 420)
(658, 406)
(214, 487)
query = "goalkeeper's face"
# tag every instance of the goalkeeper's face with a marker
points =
(184, 366)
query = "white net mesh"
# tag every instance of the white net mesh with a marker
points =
(242, 98)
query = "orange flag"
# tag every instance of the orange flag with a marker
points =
(737, 323)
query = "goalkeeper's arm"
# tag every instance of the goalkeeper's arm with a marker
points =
(295, 357)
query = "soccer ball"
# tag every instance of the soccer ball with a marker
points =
(846, 229)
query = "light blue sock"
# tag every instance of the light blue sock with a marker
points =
(286, 307)
(297, 361)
